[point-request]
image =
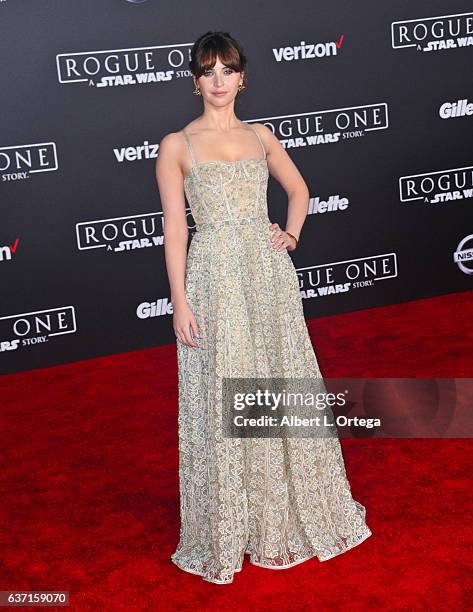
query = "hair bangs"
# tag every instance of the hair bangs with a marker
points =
(215, 45)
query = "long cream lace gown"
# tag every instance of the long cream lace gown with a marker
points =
(280, 500)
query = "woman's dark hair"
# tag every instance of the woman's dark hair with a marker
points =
(212, 44)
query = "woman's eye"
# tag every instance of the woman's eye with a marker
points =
(210, 72)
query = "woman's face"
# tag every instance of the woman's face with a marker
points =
(219, 85)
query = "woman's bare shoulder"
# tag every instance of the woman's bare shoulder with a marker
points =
(266, 135)
(172, 146)
(263, 130)
(171, 139)
(175, 140)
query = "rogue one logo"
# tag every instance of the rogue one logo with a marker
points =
(433, 33)
(27, 329)
(439, 186)
(124, 67)
(21, 161)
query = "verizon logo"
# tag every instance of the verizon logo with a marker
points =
(8, 250)
(304, 50)
(136, 153)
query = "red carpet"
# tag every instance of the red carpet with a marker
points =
(90, 500)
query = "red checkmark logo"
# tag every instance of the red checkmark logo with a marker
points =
(339, 42)
(14, 246)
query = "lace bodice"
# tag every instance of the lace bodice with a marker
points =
(221, 191)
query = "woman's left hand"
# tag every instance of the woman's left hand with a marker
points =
(280, 240)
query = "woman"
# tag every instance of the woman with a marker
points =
(238, 314)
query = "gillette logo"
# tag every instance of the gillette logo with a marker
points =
(332, 204)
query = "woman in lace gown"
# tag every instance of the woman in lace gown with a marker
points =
(238, 313)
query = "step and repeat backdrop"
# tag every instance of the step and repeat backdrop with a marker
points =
(373, 102)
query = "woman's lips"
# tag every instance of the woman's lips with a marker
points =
(219, 93)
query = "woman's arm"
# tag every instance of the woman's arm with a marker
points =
(176, 234)
(283, 169)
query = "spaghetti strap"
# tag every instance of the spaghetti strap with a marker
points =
(259, 138)
(191, 149)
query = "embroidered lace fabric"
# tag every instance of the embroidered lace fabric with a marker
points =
(279, 500)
